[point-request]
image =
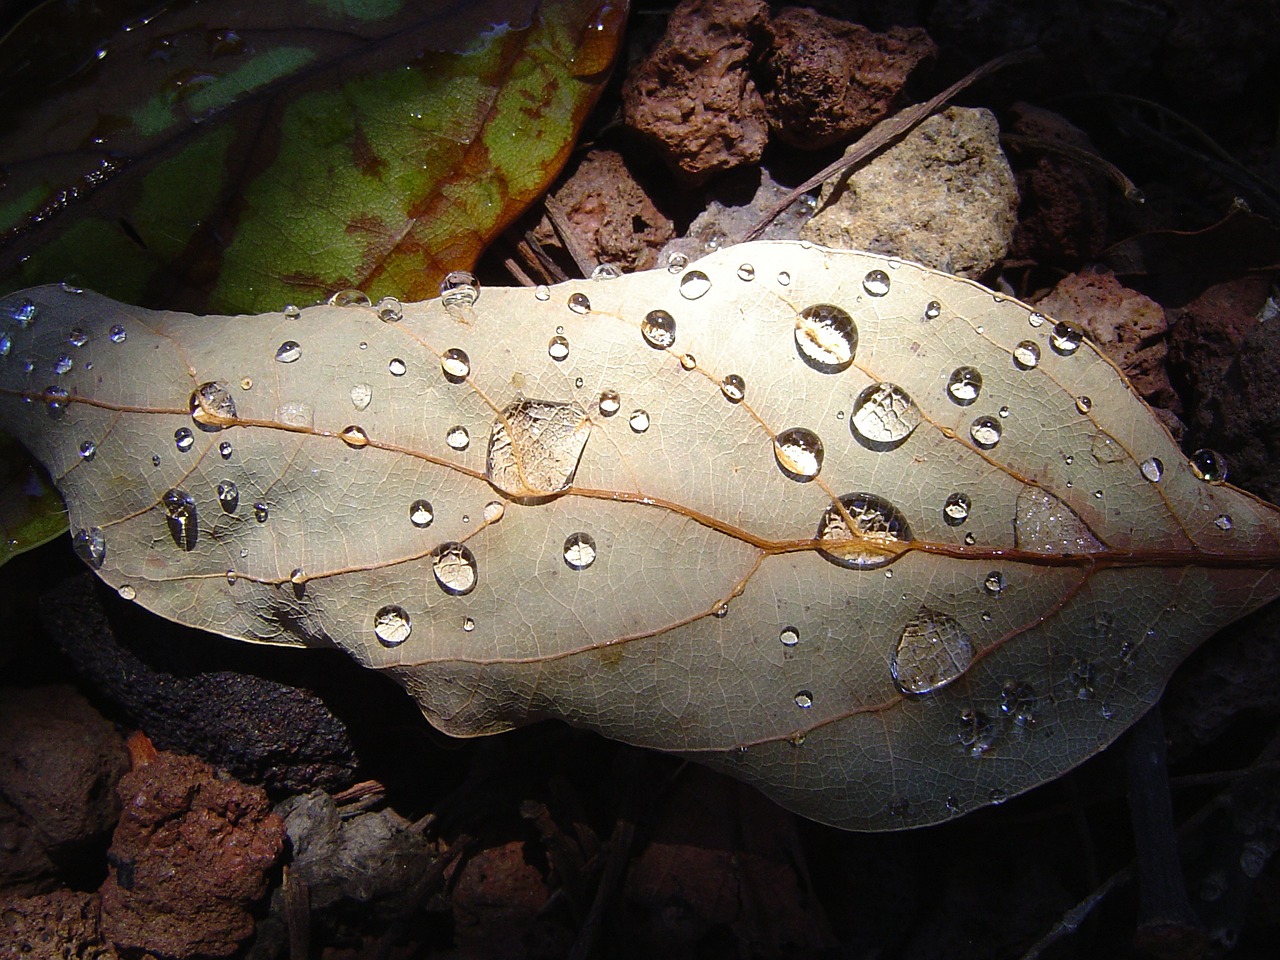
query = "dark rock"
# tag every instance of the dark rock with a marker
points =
(54, 926)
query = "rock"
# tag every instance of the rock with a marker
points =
(497, 896)
(944, 196)
(829, 80)
(54, 926)
(188, 860)
(60, 762)
(693, 99)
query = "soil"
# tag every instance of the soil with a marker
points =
(551, 842)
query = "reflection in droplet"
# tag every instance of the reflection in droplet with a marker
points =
(455, 568)
(421, 513)
(933, 650)
(291, 311)
(1084, 404)
(579, 551)
(579, 303)
(1026, 355)
(558, 348)
(826, 337)
(799, 453)
(1044, 524)
(180, 510)
(734, 388)
(288, 352)
(459, 288)
(1209, 466)
(494, 511)
(955, 510)
(932, 310)
(884, 416)
(458, 438)
(638, 421)
(860, 532)
(88, 450)
(964, 385)
(746, 272)
(361, 395)
(392, 625)
(535, 446)
(1036, 318)
(876, 283)
(1152, 468)
(90, 545)
(455, 365)
(183, 439)
(610, 403)
(688, 361)
(389, 310)
(985, 432)
(354, 436)
(658, 329)
(228, 496)
(694, 284)
(994, 583)
(349, 297)
(804, 699)
(1065, 338)
(211, 405)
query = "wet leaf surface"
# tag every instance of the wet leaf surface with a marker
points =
(871, 537)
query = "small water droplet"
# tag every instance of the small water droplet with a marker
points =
(1084, 404)
(246, 383)
(605, 271)
(784, 278)
(458, 438)
(392, 625)
(211, 405)
(291, 311)
(994, 583)
(676, 262)
(1018, 702)
(1152, 468)
(883, 416)
(542, 292)
(746, 272)
(694, 284)
(389, 310)
(804, 699)
(1036, 318)
(459, 288)
(1026, 355)
(1065, 338)
(799, 453)
(826, 337)
(117, 334)
(180, 508)
(964, 386)
(349, 297)
(932, 651)
(579, 303)
(1223, 522)
(77, 337)
(876, 283)
(455, 365)
(1081, 679)
(494, 511)
(397, 367)
(876, 525)
(985, 432)
(468, 624)
(932, 310)
(63, 364)
(183, 439)
(24, 313)
(261, 512)
(6, 343)
(288, 352)
(688, 361)
(361, 395)
(610, 403)
(455, 568)
(734, 388)
(127, 592)
(90, 545)
(789, 636)
(579, 551)
(638, 421)
(225, 449)
(658, 329)
(88, 450)
(977, 732)
(1209, 466)
(421, 513)
(354, 436)
(558, 348)
(955, 510)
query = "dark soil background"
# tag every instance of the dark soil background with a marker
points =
(551, 842)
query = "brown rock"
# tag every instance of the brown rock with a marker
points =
(829, 80)
(188, 859)
(497, 896)
(1205, 336)
(693, 98)
(53, 926)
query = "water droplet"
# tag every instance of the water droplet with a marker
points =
(291, 311)
(876, 283)
(578, 382)
(694, 284)
(24, 313)
(826, 338)
(421, 513)
(861, 530)
(494, 511)
(117, 334)
(361, 395)
(90, 545)
(579, 303)
(964, 385)
(392, 625)
(638, 421)
(883, 416)
(1084, 404)
(1018, 702)
(676, 262)
(88, 450)
(610, 403)
(579, 551)
(784, 278)
(180, 508)
(55, 400)
(212, 406)
(458, 438)
(397, 367)
(261, 512)
(295, 413)
(127, 592)
(228, 496)
(804, 699)
(1065, 338)
(183, 439)
(1209, 466)
(459, 288)
(225, 450)
(734, 388)
(789, 636)
(354, 436)
(605, 271)
(746, 272)
(246, 383)
(985, 432)
(1026, 355)
(1152, 468)
(77, 337)
(1223, 522)
(349, 297)
(455, 568)
(535, 446)
(932, 310)
(932, 651)
(288, 352)
(1045, 524)
(1081, 678)
(468, 624)
(542, 292)
(977, 732)
(658, 329)
(994, 583)
(389, 310)
(558, 348)
(688, 361)
(955, 510)
(63, 364)
(6, 344)
(455, 365)
(798, 452)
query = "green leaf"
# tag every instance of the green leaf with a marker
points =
(886, 544)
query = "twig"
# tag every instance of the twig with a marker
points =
(564, 230)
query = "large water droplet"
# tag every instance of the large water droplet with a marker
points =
(228, 496)
(457, 438)
(964, 386)
(876, 283)
(535, 446)
(1209, 466)
(1065, 338)
(289, 352)
(1026, 355)
(392, 625)
(658, 329)
(933, 650)
(734, 388)
(883, 416)
(638, 421)
(579, 551)
(861, 531)
(985, 432)
(361, 395)
(694, 284)
(1044, 524)
(579, 303)
(354, 436)
(455, 365)
(455, 568)
(212, 406)
(90, 545)
(180, 510)
(610, 403)
(1152, 468)
(826, 337)
(798, 452)
(459, 289)
(558, 348)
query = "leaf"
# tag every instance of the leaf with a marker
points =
(232, 157)
(886, 544)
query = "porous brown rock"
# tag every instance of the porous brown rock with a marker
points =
(62, 925)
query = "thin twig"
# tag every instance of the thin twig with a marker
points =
(564, 230)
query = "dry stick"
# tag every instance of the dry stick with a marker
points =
(889, 131)
(564, 230)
